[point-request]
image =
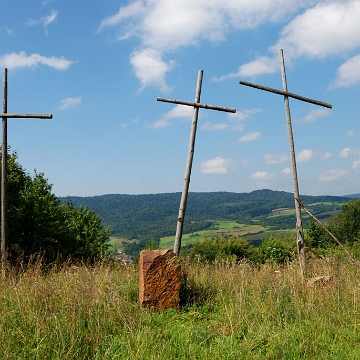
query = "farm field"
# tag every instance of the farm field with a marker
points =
(220, 228)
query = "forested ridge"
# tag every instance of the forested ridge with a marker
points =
(152, 216)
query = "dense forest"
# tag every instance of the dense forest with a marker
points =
(152, 216)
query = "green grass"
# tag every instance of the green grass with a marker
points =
(220, 228)
(232, 311)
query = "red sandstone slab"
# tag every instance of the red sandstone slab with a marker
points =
(159, 279)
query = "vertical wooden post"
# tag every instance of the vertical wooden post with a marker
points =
(299, 226)
(4, 217)
(185, 191)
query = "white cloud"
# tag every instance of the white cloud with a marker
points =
(21, 59)
(351, 133)
(326, 156)
(331, 175)
(45, 21)
(218, 165)
(347, 152)
(208, 126)
(305, 155)
(347, 74)
(10, 31)
(179, 111)
(286, 171)
(263, 178)
(250, 137)
(234, 123)
(274, 159)
(326, 28)
(70, 102)
(314, 115)
(150, 69)
(330, 27)
(164, 25)
(262, 65)
(356, 165)
(244, 114)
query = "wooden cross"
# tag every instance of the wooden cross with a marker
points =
(4, 201)
(299, 226)
(196, 104)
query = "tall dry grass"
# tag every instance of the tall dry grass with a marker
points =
(230, 311)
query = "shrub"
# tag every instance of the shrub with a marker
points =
(276, 250)
(222, 248)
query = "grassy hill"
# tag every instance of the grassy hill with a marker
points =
(154, 216)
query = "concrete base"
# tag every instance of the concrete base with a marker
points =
(159, 279)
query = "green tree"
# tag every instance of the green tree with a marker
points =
(39, 223)
(346, 225)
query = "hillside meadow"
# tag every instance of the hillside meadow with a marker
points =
(228, 311)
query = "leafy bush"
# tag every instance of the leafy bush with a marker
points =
(222, 248)
(276, 250)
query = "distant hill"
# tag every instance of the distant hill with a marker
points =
(152, 216)
(353, 196)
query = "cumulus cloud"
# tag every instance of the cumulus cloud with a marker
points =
(150, 69)
(347, 152)
(286, 171)
(208, 126)
(313, 115)
(356, 165)
(305, 155)
(274, 159)
(326, 156)
(45, 21)
(21, 59)
(250, 137)
(165, 25)
(179, 111)
(347, 74)
(263, 178)
(218, 165)
(332, 175)
(259, 66)
(70, 102)
(234, 121)
(10, 31)
(326, 28)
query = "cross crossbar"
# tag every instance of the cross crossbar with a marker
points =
(198, 105)
(286, 93)
(26, 116)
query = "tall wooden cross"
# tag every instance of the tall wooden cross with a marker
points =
(4, 200)
(197, 105)
(299, 227)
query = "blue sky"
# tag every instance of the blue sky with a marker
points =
(98, 67)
